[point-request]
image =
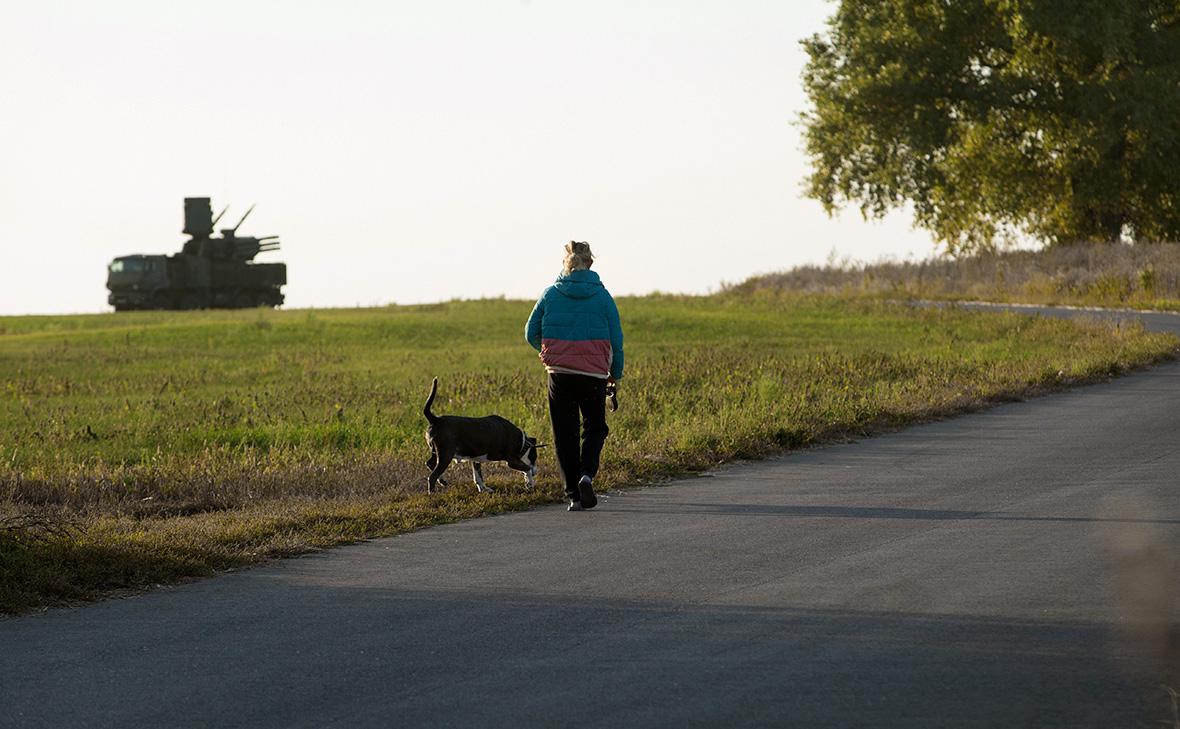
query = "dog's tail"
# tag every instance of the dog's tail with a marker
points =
(426, 410)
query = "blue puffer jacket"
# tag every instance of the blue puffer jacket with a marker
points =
(575, 326)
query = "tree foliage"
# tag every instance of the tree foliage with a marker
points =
(1058, 119)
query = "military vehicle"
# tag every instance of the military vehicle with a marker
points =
(210, 272)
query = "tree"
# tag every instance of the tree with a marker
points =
(1058, 119)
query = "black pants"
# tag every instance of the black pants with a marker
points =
(569, 397)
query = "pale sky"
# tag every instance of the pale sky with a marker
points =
(414, 151)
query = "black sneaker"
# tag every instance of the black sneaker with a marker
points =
(574, 506)
(586, 491)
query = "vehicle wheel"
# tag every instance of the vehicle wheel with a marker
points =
(243, 300)
(191, 300)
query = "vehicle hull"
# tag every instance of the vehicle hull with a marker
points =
(186, 281)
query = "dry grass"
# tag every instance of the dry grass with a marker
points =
(37, 528)
(1135, 276)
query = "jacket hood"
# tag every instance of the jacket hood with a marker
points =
(579, 284)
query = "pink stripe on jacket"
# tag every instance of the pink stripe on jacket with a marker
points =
(587, 357)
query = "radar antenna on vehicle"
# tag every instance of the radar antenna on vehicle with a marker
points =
(234, 230)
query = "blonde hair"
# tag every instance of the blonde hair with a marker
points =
(577, 257)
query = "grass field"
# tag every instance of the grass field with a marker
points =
(153, 447)
(1143, 276)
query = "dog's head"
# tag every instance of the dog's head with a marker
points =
(529, 454)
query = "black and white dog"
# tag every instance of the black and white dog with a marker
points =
(479, 440)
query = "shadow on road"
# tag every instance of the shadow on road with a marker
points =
(366, 656)
(869, 512)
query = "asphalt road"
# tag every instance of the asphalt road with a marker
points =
(1014, 568)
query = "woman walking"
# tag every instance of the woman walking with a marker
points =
(575, 326)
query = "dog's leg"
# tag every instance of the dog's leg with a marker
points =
(528, 471)
(477, 475)
(431, 463)
(442, 460)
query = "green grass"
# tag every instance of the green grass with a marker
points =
(153, 447)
